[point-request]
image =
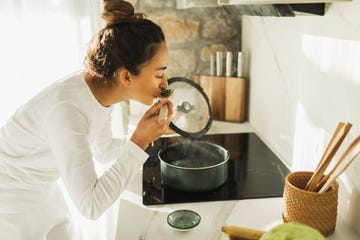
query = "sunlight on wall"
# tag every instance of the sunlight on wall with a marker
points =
(38, 49)
(309, 142)
(339, 57)
(333, 58)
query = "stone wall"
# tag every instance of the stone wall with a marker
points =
(192, 34)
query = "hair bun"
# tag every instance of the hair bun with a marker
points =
(118, 11)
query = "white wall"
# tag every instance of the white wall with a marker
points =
(304, 77)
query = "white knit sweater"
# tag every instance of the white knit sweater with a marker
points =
(56, 134)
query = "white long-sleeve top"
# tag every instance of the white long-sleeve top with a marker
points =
(56, 134)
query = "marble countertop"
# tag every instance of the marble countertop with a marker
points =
(137, 221)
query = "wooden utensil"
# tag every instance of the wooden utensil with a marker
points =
(236, 232)
(330, 151)
(344, 161)
(327, 176)
(323, 162)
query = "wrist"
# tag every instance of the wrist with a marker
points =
(139, 141)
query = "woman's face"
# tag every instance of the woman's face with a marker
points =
(151, 79)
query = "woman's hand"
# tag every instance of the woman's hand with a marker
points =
(149, 128)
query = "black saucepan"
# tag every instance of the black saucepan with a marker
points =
(194, 165)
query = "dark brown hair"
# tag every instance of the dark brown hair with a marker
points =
(128, 40)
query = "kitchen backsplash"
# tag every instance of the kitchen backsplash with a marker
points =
(304, 78)
(193, 34)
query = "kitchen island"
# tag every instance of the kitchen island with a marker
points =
(137, 221)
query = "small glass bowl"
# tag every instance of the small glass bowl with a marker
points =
(183, 219)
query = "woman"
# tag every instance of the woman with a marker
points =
(59, 132)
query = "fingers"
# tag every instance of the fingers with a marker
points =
(165, 113)
(154, 109)
(149, 128)
(149, 121)
(169, 131)
(170, 111)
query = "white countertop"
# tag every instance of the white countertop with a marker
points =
(137, 221)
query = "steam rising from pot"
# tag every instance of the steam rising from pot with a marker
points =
(193, 154)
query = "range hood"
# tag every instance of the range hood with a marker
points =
(228, 2)
(278, 8)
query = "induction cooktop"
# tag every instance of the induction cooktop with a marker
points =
(254, 171)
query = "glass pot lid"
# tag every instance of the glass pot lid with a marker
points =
(192, 115)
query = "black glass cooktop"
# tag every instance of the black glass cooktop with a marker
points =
(254, 171)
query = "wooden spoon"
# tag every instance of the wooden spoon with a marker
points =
(344, 161)
(330, 151)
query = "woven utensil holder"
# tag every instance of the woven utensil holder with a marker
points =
(317, 210)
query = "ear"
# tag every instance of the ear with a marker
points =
(123, 77)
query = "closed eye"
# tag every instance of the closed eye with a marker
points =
(160, 76)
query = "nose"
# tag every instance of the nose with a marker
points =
(164, 82)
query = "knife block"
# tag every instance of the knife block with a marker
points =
(226, 96)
